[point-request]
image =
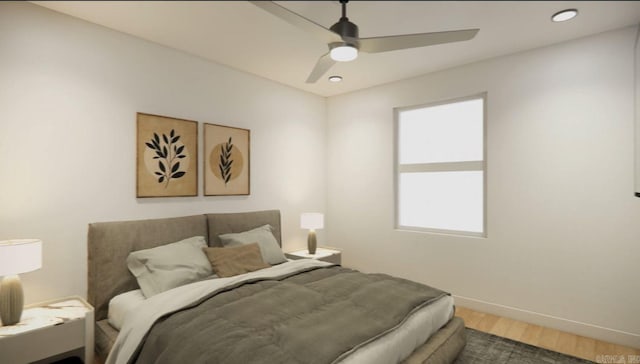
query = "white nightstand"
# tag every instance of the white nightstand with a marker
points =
(330, 255)
(50, 331)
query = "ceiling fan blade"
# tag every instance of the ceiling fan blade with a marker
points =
(299, 21)
(395, 42)
(322, 66)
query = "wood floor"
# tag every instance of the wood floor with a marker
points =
(563, 342)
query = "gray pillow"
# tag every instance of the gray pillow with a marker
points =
(168, 266)
(269, 248)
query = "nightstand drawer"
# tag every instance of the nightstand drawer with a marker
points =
(43, 343)
(333, 258)
(324, 254)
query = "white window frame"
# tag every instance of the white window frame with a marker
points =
(441, 167)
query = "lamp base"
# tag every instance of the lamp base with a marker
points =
(311, 242)
(11, 300)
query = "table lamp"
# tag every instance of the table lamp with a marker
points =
(16, 256)
(312, 221)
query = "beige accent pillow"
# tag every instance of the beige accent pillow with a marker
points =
(263, 235)
(227, 262)
(168, 266)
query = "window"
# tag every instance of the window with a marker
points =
(440, 167)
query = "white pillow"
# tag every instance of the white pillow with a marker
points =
(121, 304)
(167, 266)
(269, 248)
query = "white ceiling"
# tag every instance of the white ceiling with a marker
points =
(245, 37)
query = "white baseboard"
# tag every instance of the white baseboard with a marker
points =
(558, 323)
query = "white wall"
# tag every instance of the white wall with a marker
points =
(563, 242)
(69, 93)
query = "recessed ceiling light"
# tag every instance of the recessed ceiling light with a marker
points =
(564, 15)
(335, 78)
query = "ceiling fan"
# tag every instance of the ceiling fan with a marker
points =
(344, 43)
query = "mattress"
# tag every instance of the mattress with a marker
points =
(392, 347)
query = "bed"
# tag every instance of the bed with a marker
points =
(110, 243)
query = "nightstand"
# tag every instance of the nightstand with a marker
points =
(50, 331)
(330, 255)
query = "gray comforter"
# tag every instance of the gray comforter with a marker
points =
(317, 316)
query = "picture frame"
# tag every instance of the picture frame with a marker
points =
(167, 156)
(226, 160)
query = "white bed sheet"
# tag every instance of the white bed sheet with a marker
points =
(393, 347)
(121, 304)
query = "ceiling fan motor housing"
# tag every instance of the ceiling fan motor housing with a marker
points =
(347, 30)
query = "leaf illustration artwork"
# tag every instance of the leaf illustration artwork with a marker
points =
(226, 161)
(168, 152)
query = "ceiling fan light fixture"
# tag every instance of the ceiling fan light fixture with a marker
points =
(335, 78)
(564, 15)
(344, 53)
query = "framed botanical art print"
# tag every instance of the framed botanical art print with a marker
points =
(167, 156)
(226, 160)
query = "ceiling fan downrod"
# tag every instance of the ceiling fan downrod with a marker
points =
(344, 27)
(344, 9)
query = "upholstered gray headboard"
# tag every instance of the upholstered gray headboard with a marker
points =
(109, 244)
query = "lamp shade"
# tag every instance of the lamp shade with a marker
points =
(20, 256)
(312, 220)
